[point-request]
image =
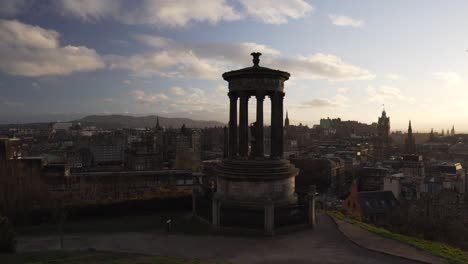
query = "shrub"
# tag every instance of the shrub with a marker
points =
(7, 236)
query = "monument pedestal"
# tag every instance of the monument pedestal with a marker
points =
(253, 191)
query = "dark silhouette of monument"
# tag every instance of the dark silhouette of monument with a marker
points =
(254, 190)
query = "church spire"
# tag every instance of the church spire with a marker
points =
(157, 122)
(286, 121)
(410, 144)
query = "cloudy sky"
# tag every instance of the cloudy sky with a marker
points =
(166, 57)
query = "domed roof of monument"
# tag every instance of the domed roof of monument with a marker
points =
(459, 148)
(255, 71)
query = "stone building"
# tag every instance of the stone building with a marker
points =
(459, 153)
(383, 137)
(327, 174)
(297, 137)
(149, 153)
(448, 176)
(374, 206)
(212, 141)
(372, 178)
(21, 184)
(188, 150)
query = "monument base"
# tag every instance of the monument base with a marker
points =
(257, 194)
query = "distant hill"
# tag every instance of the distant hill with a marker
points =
(123, 121)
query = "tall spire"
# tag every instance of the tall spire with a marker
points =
(286, 121)
(410, 145)
(157, 123)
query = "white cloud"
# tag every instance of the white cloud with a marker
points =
(194, 102)
(141, 97)
(32, 51)
(277, 11)
(345, 21)
(174, 59)
(16, 34)
(155, 41)
(324, 66)
(168, 63)
(182, 13)
(197, 100)
(91, 9)
(384, 94)
(177, 91)
(321, 102)
(210, 60)
(160, 13)
(338, 101)
(393, 76)
(235, 54)
(128, 82)
(221, 90)
(451, 78)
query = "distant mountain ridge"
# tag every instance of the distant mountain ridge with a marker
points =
(123, 121)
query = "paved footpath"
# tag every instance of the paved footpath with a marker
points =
(380, 244)
(325, 244)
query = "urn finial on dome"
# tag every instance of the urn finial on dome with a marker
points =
(256, 58)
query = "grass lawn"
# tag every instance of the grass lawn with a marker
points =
(82, 257)
(182, 222)
(454, 255)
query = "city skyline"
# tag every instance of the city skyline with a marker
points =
(121, 57)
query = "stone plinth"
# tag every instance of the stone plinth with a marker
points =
(253, 182)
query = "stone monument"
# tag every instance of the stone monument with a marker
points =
(254, 190)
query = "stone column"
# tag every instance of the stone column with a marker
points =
(215, 209)
(194, 200)
(259, 136)
(311, 209)
(269, 218)
(280, 125)
(233, 125)
(225, 143)
(244, 125)
(274, 124)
